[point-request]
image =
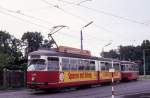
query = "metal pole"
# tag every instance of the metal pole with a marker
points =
(113, 96)
(144, 63)
(82, 34)
(102, 53)
(81, 40)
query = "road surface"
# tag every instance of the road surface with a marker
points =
(122, 90)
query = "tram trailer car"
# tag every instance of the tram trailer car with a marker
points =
(104, 75)
(58, 69)
(129, 71)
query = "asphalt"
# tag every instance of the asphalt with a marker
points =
(135, 89)
(141, 95)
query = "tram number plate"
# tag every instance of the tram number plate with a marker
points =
(111, 70)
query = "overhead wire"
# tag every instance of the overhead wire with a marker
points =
(81, 18)
(74, 15)
(41, 26)
(83, 1)
(26, 15)
(29, 22)
(29, 16)
(15, 12)
(102, 12)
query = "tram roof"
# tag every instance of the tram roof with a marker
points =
(61, 54)
(45, 52)
(127, 62)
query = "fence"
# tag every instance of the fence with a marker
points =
(12, 78)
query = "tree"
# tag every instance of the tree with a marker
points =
(48, 44)
(5, 39)
(9, 49)
(110, 54)
(130, 53)
(33, 41)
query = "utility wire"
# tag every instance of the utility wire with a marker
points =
(29, 16)
(103, 12)
(41, 26)
(83, 1)
(29, 22)
(44, 27)
(74, 15)
(18, 12)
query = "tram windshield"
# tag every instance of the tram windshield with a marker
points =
(36, 64)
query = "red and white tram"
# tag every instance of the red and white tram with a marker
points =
(129, 71)
(68, 67)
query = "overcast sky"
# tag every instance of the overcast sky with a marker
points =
(120, 22)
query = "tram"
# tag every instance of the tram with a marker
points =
(69, 67)
(129, 71)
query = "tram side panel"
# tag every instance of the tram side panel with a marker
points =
(78, 72)
(129, 71)
(42, 79)
(106, 76)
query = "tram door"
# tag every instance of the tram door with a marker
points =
(53, 69)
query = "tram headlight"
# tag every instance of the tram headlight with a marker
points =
(33, 78)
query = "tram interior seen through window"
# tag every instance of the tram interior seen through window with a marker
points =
(116, 66)
(122, 67)
(53, 63)
(36, 64)
(75, 64)
(65, 64)
(102, 64)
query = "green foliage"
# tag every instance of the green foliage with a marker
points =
(5, 60)
(33, 41)
(47, 44)
(130, 53)
(133, 53)
(110, 54)
(9, 49)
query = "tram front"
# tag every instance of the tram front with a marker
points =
(42, 71)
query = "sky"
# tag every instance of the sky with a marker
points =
(115, 22)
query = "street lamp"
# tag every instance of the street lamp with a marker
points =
(82, 34)
(104, 47)
(144, 65)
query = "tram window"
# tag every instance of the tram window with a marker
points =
(81, 65)
(116, 66)
(103, 66)
(53, 63)
(73, 64)
(126, 67)
(87, 65)
(35, 56)
(65, 64)
(137, 68)
(108, 66)
(133, 67)
(92, 65)
(122, 67)
(130, 67)
(37, 64)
